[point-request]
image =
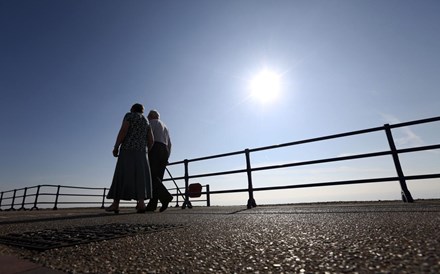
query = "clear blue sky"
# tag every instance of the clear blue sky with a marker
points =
(70, 70)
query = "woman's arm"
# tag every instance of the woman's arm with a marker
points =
(121, 136)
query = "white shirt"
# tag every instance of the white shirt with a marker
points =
(160, 133)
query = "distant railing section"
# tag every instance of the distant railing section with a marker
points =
(15, 195)
(52, 196)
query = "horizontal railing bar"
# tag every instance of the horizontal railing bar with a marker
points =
(289, 144)
(216, 156)
(414, 149)
(9, 191)
(176, 163)
(285, 144)
(19, 196)
(361, 181)
(332, 183)
(328, 160)
(227, 191)
(416, 122)
(79, 195)
(209, 157)
(346, 134)
(215, 174)
(423, 177)
(47, 194)
(79, 202)
(77, 187)
(19, 189)
(65, 194)
(198, 201)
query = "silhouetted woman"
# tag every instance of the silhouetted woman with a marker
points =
(132, 178)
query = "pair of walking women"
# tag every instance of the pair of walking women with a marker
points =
(142, 148)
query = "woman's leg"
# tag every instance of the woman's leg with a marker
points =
(114, 206)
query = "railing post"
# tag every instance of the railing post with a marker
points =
(36, 199)
(186, 202)
(24, 199)
(13, 201)
(251, 201)
(406, 195)
(1, 198)
(177, 196)
(56, 198)
(208, 197)
(103, 198)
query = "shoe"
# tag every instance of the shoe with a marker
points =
(151, 206)
(141, 209)
(150, 209)
(112, 208)
(165, 205)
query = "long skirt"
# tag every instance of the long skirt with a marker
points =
(132, 177)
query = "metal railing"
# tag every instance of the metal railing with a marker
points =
(48, 195)
(22, 194)
(249, 170)
(56, 195)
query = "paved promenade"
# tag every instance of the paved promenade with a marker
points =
(373, 237)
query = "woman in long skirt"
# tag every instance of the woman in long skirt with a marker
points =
(132, 178)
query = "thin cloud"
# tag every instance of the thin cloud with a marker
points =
(406, 137)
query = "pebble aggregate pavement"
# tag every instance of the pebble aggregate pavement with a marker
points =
(359, 237)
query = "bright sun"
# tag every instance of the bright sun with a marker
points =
(265, 86)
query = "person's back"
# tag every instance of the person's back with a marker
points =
(136, 138)
(160, 130)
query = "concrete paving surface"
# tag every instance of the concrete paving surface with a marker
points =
(361, 237)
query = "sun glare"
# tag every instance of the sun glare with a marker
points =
(265, 86)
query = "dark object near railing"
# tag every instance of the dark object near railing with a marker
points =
(394, 152)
